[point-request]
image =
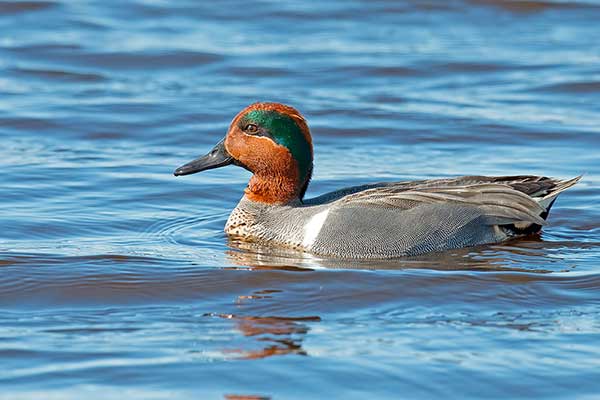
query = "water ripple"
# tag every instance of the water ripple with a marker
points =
(16, 7)
(60, 75)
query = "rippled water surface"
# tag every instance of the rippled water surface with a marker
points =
(117, 281)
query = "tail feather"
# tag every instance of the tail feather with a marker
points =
(545, 201)
(548, 199)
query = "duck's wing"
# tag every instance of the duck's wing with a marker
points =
(503, 200)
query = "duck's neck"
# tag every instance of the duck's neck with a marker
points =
(276, 189)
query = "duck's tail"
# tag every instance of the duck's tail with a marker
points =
(545, 199)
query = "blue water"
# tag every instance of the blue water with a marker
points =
(116, 279)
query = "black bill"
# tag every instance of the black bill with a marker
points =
(216, 158)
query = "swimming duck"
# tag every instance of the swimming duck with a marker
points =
(382, 220)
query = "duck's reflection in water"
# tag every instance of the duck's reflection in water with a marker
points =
(281, 335)
(532, 251)
(245, 397)
(278, 335)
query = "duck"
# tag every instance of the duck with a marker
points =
(373, 221)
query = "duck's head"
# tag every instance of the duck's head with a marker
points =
(271, 140)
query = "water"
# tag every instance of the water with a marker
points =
(118, 281)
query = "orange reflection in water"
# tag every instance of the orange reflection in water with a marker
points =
(279, 335)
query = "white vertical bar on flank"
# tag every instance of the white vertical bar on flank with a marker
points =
(313, 227)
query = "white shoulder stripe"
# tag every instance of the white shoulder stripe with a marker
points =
(313, 227)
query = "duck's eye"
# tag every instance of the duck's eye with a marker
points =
(251, 129)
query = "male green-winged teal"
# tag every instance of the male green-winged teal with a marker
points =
(382, 220)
